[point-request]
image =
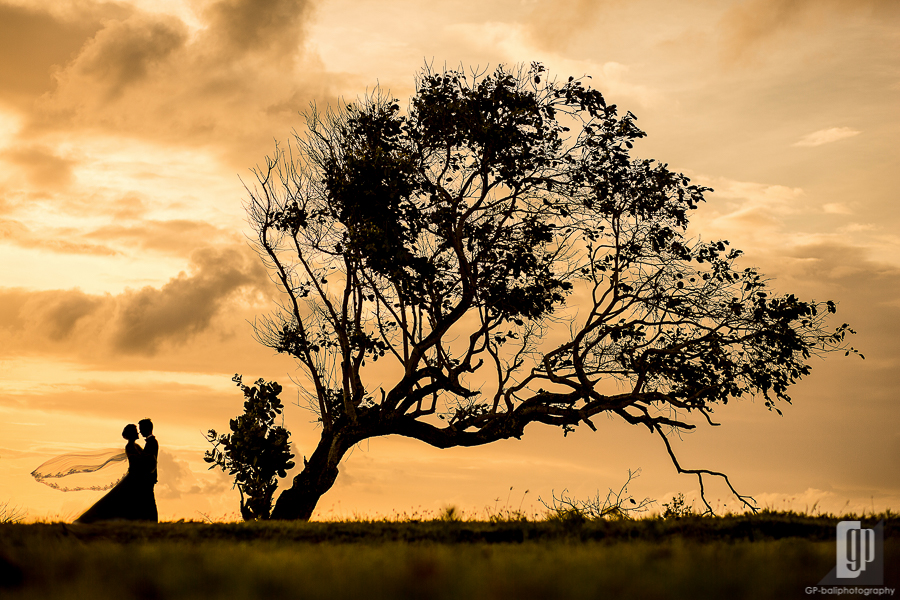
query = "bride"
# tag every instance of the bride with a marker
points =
(124, 500)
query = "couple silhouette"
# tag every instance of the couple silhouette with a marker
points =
(132, 498)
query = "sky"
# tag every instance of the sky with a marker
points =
(128, 287)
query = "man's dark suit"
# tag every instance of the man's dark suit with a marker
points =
(151, 456)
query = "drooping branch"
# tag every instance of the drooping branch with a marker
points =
(700, 473)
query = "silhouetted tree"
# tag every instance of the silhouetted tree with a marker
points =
(256, 450)
(499, 252)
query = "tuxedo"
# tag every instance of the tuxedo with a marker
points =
(151, 455)
(151, 459)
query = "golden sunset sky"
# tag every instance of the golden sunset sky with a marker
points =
(127, 285)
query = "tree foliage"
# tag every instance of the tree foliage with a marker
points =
(497, 244)
(256, 450)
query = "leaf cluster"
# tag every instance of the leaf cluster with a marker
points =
(256, 451)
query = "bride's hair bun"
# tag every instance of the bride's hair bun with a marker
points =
(130, 432)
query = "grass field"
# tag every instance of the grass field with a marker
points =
(772, 555)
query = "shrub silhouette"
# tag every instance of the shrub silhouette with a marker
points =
(256, 451)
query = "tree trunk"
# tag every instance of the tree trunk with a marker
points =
(319, 472)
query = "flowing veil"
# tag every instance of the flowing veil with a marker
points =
(79, 463)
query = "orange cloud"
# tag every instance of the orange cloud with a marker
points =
(184, 306)
(128, 207)
(135, 322)
(177, 236)
(125, 52)
(41, 166)
(553, 24)
(826, 136)
(18, 234)
(33, 43)
(747, 26)
(152, 76)
(272, 27)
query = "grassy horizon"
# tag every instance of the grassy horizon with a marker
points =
(768, 555)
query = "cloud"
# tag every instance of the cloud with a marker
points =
(176, 478)
(555, 24)
(49, 315)
(124, 52)
(177, 236)
(184, 306)
(61, 317)
(748, 26)
(512, 42)
(151, 76)
(837, 208)
(772, 222)
(135, 322)
(613, 79)
(826, 136)
(17, 233)
(749, 23)
(41, 166)
(33, 43)
(858, 227)
(272, 27)
(128, 207)
(155, 393)
(747, 210)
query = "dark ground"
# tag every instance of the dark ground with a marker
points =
(771, 555)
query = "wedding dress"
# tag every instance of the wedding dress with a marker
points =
(125, 500)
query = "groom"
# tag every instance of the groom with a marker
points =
(150, 456)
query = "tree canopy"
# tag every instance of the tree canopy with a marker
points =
(499, 253)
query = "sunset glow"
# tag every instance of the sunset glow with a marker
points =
(129, 288)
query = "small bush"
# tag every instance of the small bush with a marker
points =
(256, 450)
(677, 508)
(615, 506)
